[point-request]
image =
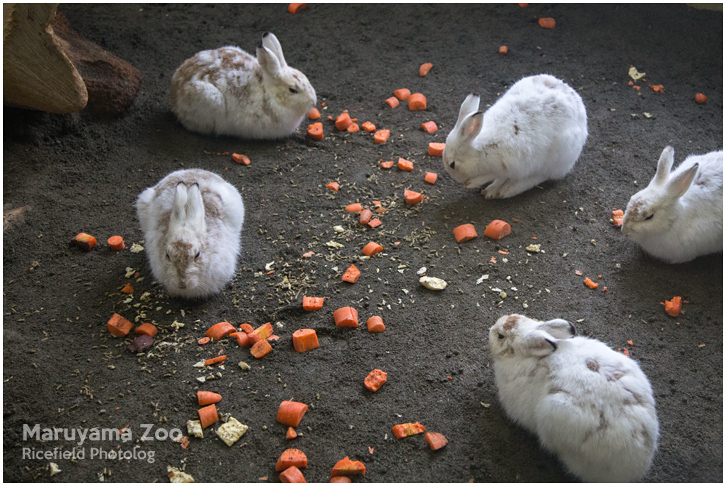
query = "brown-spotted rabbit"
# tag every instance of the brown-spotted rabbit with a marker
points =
(227, 91)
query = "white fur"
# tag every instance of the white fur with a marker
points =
(686, 206)
(591, 406)
(226, 91)
(533, 133)
(188, 213)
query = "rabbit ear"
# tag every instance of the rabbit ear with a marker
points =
(664, 165)
(471, 125)
(195, 206)
(558, 328)
(270, 42)
(469, 106)
(179, 211)
(539, 343)
(679, 184)
(268, 61)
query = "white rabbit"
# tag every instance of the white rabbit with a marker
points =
(591, 406)
(192, 220)
(226, 91)
(533, 133)
(679, 216)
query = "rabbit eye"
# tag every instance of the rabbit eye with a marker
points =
(197, 255)
(293, 91)
(452, 164)
(500, 336)
(168, 257)
(648, 217)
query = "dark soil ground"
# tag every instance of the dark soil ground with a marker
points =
(82, 172)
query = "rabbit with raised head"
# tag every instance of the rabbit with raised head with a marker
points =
(679, 216)
(591, 406)
(533, 133)
(226, 91)
(192, 220)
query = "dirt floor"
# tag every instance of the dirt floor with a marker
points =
(73, 173)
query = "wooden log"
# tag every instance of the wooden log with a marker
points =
(112, 83)
(36, 72)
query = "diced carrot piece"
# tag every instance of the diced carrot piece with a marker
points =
(352, 274)
(220, 330)
(658, 88)
(404, 164)
(365, 216)
(314, 114)
(353, 127)
(311, 304)
(416, 102)
(424, 69)
(217, 360)
(372, 248)
(436, 149)
(354, 208)
(590, 283)
(243, 340)
(207, 397)
(241, 159)
(431, 177)
(381, 136)
(341, 479)
(203, 340)
(503, 50)
(626, 352)
(375, 380)
(701, 98)
(392, 102)
(465, 232)
(304, 340)
(375, 324)
(208, 415)
(673, 306)
(346, 467)
(436, 441)
(387, 165)
(342, 122)
(291, 434)
(128, 289)
(429, 127)
(412, 197)
(294, 8)
(375, 221)
(292, 475)
(261, 349)
(402, 94)
(119, 326)
(616, 216)
(522, 4)
(497, 229)
(246, 328)
(404, 430)
(291, 457)
(274, 337)
(84, 241)
(116, 243)
(315, 131)
(368, 127)
(261, 333)
(346, 317)
(291, 413)
(333, 186)
(147, 329)
(546, 23)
